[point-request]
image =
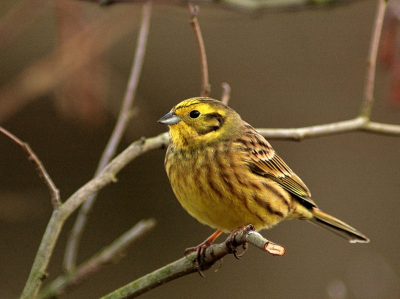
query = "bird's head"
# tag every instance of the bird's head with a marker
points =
(200, 121)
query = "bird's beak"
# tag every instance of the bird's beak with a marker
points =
(169, 119)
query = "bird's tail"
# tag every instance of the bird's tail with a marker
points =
(337, 227)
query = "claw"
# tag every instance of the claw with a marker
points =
(231, 241)
(239, 256)
(220, 262)
(201, 249)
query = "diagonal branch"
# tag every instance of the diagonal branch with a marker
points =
(49, 72)
(185, 265)
(106, 256)
(60, 215)
(54, 192)
(116, 136)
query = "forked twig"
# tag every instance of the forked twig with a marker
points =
(115, 138)
(59, 216)
(361, 122)
(185, 266)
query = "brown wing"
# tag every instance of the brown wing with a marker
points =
(263, 160)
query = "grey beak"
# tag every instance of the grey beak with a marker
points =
(169, 119)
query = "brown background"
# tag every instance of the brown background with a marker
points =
(288, 69)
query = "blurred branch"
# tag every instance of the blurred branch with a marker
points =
(368, 102)
(81, 97)
(47, 73)
(54, 192)
(206, 87)
(115, 138)
(360, 123)
(185, 265)
(106, 256)
(108, 174)
(248, 6)
(60, 215)
(226, 93)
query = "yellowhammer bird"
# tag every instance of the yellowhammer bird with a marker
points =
(226, 175)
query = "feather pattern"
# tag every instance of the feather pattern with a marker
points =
(226, 175)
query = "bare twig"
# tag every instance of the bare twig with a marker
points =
(108, 174)
(119, 129)
(360, 123)
(59, 216)
(206, 87)
(43, 174)
(226, 93)
(356, 124)
(107, 255)
(185, 265)
(371, 66)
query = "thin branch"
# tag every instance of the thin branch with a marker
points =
(226, 93)
(43, 174)
(353, 125)
(107, 176)
(106, 256)
(116, 136)
(185, 265)
(368, 100)
(382, 129)
(314, 131)
(206, 87)
(59, 216)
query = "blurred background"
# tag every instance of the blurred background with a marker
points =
(64, 68)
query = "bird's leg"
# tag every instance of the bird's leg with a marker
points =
(201, 249)
(231, 241)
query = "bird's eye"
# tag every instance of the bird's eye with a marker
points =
(194, 114)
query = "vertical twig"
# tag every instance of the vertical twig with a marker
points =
(368, 99)
(119, 129)
(54, 192)
(206, 87)
(226, 93)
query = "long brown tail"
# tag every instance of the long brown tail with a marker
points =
(337, 226)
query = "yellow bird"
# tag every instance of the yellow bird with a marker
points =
(226, 175)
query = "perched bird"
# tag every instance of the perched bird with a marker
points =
(226, 175)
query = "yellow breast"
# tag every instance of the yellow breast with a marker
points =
(215, 186)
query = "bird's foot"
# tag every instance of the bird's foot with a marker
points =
(233, 245)
(201, 249)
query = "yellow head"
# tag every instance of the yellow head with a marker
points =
(201, 121)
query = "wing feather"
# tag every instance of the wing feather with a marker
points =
(263, 160)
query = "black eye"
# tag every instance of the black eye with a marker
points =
(194, 114)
